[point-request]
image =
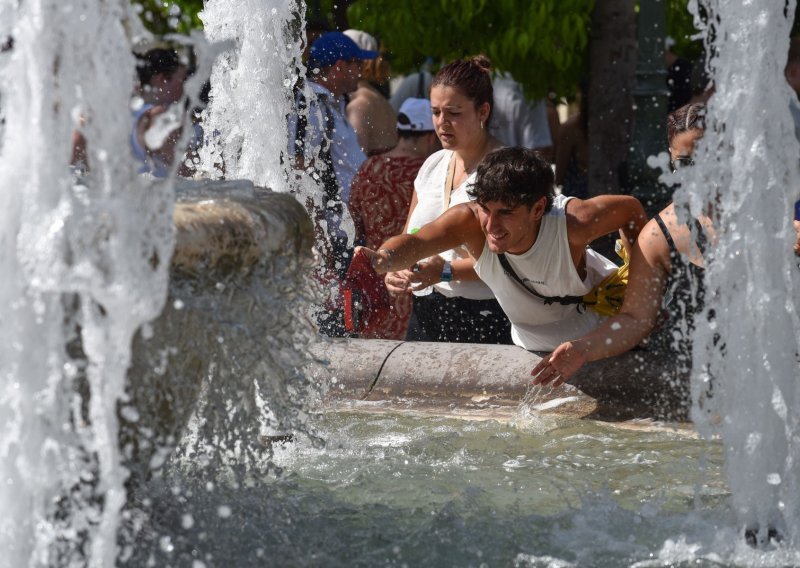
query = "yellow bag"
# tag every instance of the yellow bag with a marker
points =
(607, 297)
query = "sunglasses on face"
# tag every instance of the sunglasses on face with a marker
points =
(681, 162)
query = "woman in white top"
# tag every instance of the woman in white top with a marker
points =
(458, 306)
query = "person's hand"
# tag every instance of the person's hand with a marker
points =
(427, 272)
(398, 283)
(796, 225)
(381, 260)
(560, 365)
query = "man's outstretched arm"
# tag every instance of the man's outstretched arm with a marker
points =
(456, 227)
(590, 219)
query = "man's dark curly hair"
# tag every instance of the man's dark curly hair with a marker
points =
(514, 176)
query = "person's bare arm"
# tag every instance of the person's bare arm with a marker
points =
(429, 272)
(643, 299)
(456, 227)
(354, 206)
(592, 218)
(159, 145)
(397, 282)
(357, 113)
(796, 225)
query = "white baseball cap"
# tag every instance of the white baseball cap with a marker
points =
(362, 39)
(415, 115)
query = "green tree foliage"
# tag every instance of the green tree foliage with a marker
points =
(542, 43)
(680, 27)
(169, 16)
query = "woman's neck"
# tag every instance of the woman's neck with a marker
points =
(470, 157)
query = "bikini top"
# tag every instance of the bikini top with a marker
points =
(685, 289)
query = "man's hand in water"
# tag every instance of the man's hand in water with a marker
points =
(560, 365)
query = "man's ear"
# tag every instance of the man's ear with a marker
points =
(538, 208)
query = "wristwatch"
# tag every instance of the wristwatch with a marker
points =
(447, 272)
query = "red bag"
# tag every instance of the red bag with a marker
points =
(366, 300)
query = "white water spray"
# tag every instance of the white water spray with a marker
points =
(251, 89)
(91, 256)
(747, 343)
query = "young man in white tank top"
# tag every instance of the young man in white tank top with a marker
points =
(543, 238)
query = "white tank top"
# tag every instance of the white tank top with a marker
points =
(429, 186)
(548, 268)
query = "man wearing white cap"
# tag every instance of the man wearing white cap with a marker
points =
(381, 197)
(370, 113)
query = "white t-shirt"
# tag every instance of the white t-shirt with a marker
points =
(515, 121)
(547, 267)
(429, 187)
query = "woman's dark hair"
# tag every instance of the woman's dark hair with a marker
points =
(688, 117)
(157, 61)
(514, 176)
(470, 76)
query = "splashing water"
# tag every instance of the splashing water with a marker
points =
(251, 88)
(93, 257)
(747, 343)
(86, 263)
(89, 256)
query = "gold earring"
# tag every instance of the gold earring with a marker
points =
(481, 125)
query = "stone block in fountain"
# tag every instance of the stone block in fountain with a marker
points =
(238, 250)
(492, 380)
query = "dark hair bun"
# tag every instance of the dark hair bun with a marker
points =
(482, 62)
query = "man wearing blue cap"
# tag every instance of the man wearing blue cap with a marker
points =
(322, 141)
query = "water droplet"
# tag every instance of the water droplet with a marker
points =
(187, 521)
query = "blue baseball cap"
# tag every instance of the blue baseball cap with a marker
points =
(334, 46)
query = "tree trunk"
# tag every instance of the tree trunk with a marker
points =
(612, 65)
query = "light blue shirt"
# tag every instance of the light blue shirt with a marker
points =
(346, 153)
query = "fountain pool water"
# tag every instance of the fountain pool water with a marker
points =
(401, 490)
(387, 490)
